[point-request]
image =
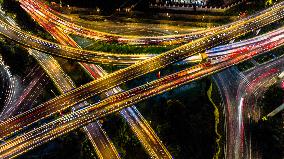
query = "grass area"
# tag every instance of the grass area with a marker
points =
(120, 48)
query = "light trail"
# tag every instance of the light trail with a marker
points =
(11, 87)
(138, 124)
(116, 102)
(46, 12)
(120, 59)
(73, 53)
(111, 80)
(11, 109)
(240, 89)
(39, 44)
(154, 147)
(103, 146)
(251, 94)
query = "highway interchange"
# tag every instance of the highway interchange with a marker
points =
(138, 124)
(216, 59)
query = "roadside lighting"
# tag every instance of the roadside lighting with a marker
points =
(98, 9)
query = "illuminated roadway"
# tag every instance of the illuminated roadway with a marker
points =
(120, 27)
(102, 144)
(116, 102)
(41, 9)
(13, 107)
(240, 92)
(114, 79)
(275, 111)
(11, 87)
(7, 90)
(44, 11)
(258, 80)
(196, 58)
(78, 54)
(31, 95)
(138, 124)
(65, 51)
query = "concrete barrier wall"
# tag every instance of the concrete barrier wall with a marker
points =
(190, 7)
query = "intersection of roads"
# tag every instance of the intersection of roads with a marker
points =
(33, 127)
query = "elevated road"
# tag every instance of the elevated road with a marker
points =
(68, 26)
(217, 51)
(98, 137)
(114, 79)
(116, 102)
(78, 54)
(11, 87)
(102, 144)
(30, 97)
(239, 92)
(15, 106)
(136, 121)
(7, 85)
(65, 51)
